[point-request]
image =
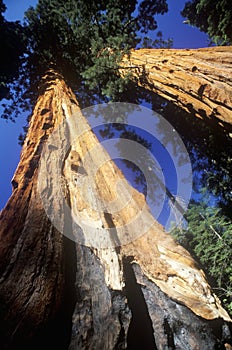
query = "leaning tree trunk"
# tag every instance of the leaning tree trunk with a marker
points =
(199, 81)
(146, 293)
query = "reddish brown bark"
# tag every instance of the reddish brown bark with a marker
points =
(111, 283)
(32, 252)
(198, 81)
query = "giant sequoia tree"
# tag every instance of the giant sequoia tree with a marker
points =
(192, 89)
(148, 293)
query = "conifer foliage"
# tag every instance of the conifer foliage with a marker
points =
(209, 238)
(85, 40)
(211, 16)
(12, 48)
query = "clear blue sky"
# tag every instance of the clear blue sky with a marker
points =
(171, 24)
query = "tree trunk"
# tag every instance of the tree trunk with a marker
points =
(34, 263)
(129, 291)
(199, 81)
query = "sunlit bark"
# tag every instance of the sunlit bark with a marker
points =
(198, 81)
(149, 290)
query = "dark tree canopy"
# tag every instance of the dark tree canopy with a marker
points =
(85, 40)
(82, 40)
(211, 16)
(12, 48)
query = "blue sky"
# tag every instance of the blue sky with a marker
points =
(171, 25)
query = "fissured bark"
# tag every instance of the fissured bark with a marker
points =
(146, 293)
(196, 80)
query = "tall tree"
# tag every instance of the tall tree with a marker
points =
(41, 268)
(42, 298)
(192, 89)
